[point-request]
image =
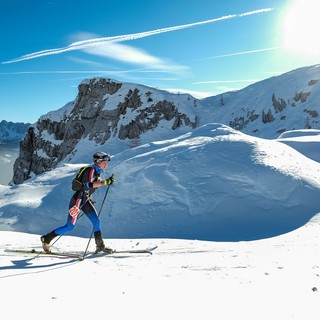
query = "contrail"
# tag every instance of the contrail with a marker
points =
(243, 52)
(225, 81)
(101, 41)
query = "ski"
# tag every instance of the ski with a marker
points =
(44, 253)
(146, 250)
(79, 255)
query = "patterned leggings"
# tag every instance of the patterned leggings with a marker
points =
(88, 209)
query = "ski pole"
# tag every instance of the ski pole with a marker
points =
(104, 199)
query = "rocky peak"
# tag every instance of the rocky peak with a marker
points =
(104, 109)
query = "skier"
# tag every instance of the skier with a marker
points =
(81, 200)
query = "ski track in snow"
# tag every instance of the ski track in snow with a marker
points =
(183, 278)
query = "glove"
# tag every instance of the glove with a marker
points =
(110, 180)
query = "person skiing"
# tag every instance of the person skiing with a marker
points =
(81, 200)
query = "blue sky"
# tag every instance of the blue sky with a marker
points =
(203, 47)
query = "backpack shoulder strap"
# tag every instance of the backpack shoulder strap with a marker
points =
(80, 172)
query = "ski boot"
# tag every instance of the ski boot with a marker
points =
(100, 247)
(46, 239)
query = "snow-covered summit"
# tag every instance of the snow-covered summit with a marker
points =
(272, 106)
(125, 115)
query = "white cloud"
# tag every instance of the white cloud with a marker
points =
(131, 55)
(124, 53)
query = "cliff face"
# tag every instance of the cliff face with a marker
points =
(103, 109)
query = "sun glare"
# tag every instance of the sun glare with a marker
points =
(301, 27)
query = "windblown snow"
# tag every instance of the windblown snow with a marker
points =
(214, 183)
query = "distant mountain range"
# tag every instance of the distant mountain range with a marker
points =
(115, 116)
(10, 135)
(12, 131)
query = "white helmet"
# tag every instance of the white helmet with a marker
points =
(101, 156)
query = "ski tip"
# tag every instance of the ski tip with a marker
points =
(152, 249)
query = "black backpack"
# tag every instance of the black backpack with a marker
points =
(77, 184)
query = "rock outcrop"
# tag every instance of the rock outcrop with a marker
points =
(102, 110)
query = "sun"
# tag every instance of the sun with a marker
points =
(302, 27)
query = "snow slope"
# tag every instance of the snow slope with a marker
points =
(305, 141)
(213, 183)
(275, 278)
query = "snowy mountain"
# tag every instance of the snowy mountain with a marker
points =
(235, 216)
(105, 111)
(124, 115)
(182, 178)
(270, 107)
